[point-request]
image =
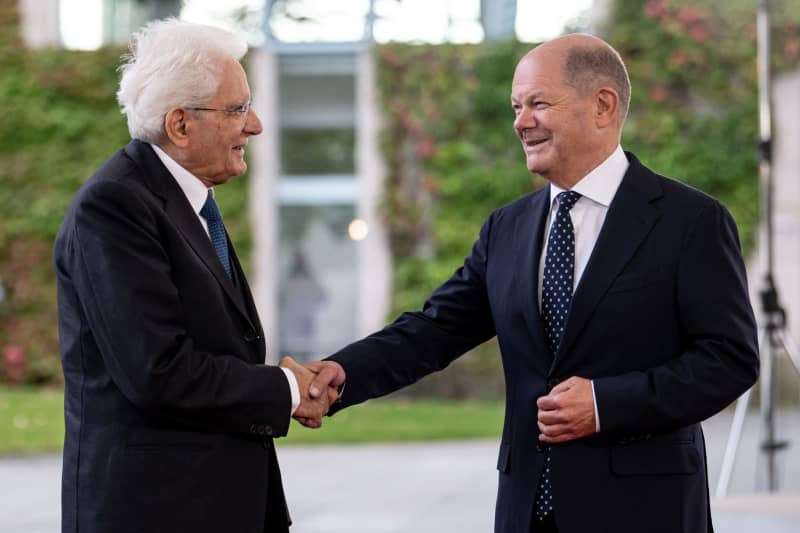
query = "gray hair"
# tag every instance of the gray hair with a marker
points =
(170, 64)
(587, 68)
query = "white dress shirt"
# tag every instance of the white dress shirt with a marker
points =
(196, 193)
(597, 189)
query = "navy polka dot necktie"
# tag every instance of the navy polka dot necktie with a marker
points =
(559, 272)
(216, 230)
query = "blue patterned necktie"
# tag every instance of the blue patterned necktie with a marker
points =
(559, 272)
(216, 230)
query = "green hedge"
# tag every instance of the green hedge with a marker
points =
(59, 121)
(448, 144)
(452, 155)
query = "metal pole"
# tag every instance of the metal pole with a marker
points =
(772, 332)
(369, 23)
(774, 314)
(734, 437)
(765, 122)
(767, 410)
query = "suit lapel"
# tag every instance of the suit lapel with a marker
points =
(528, 237)
(178, 209)
(630, 218)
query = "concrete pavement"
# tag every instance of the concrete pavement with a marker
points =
(437, 487)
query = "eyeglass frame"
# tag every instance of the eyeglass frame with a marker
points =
(242, 110)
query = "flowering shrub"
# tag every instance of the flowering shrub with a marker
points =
(451, 154)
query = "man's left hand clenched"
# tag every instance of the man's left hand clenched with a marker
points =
(567, 413)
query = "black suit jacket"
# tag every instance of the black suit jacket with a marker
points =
(660, 320)
(170, 410)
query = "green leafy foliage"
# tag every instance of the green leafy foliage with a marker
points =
(59, 121)
(694, 100)
(452, 156)
(448, 145)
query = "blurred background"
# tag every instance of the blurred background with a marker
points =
(387, 142)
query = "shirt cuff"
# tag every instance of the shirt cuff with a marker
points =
(294, 388)
(596, 412)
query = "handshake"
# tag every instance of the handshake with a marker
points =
(320, 384)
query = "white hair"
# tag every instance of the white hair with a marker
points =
(171, 63)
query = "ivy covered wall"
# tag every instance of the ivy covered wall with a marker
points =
(452, 156)
(449, 148)
(58, 122)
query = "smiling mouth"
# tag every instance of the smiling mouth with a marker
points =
(529, 141)
(532, 144)
(535, 142)
(239, 148)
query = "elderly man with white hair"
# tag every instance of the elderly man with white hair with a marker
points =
(170, 410)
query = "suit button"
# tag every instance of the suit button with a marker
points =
(253, 428)
(551, 383)
(250, 335)
(260, 430)
(268, 430)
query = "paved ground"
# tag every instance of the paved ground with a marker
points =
(425, 488)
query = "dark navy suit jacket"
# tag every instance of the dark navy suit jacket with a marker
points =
(170, 411)
(660, 320)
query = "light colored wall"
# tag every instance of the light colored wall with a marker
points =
(263, 153)
(374, 259)
(373, 256)
(40, 23)
(786, 221)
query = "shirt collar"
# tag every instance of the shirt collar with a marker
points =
(601, 184)
(192, 187)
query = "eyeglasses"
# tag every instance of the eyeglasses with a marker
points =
(241, 110)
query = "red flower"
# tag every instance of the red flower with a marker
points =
(658, 93)
(679, 58)
(655, 8)
(689, 15)
(700, 31)
(426, 147)
(13, 363)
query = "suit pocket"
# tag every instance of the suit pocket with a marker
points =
(655, 459)
(504, 458)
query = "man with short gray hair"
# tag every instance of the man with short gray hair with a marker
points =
(170, 410)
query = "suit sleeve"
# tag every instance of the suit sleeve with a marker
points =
(720, 359)
(454, 319)
(121, 273)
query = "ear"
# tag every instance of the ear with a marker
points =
(176, 126)
(606, 107)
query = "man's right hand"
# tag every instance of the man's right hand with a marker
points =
(329, 374)
(311, 408)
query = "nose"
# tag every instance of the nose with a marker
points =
(524, 120)
(252, 125)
